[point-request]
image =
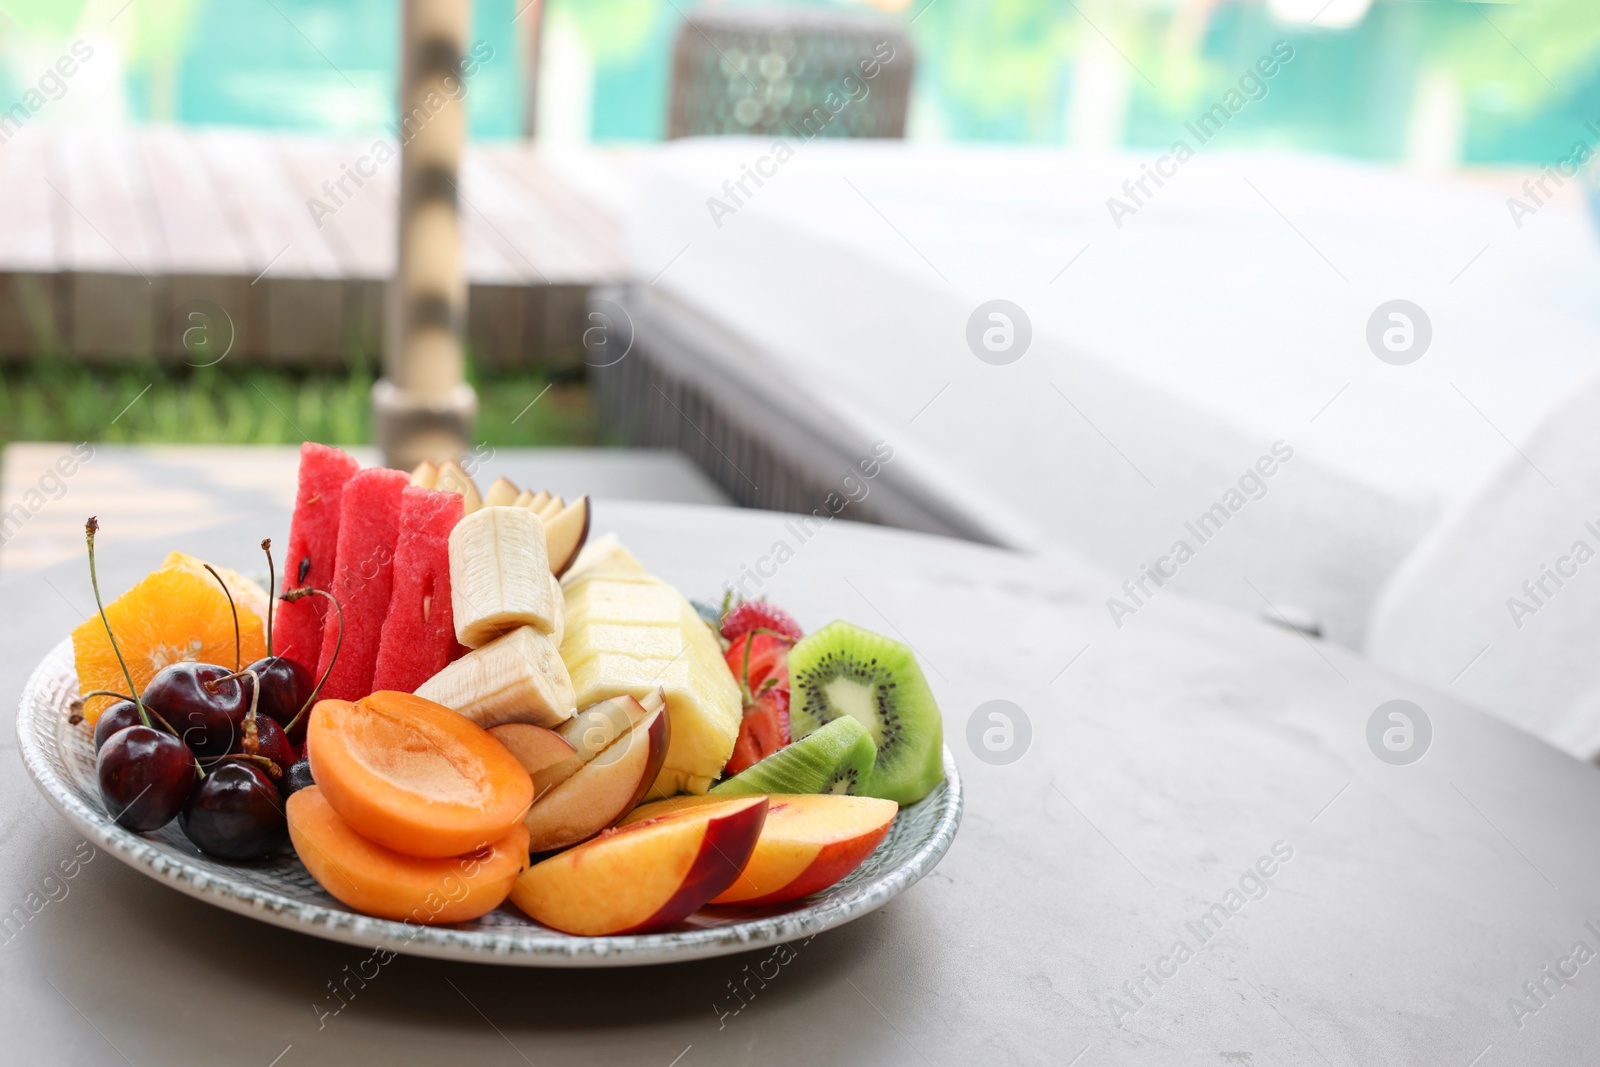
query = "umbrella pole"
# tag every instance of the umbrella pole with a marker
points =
(423, 407)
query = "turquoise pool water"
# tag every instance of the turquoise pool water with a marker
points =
(1520, 80)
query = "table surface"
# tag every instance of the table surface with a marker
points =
(162, 490)
(1405, 905)
(1168, 353)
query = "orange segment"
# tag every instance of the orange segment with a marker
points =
(177, 612)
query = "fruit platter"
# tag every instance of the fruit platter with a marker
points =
(450, 722)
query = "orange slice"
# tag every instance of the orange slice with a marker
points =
(177, 612)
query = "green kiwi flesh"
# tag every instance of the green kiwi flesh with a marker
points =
(834, 759)
(844, 672)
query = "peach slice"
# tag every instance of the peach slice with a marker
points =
(603, 790)
(645, 876)
(455, 480)
(589, 732)
(565, 533)
(379, 881)
(546, 755)
(596, 726)
(809, 842)
(425, 474)
(503, 493)
(415, 776)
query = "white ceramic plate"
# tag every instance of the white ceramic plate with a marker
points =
(60, 757)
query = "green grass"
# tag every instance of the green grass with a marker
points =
(59, 399)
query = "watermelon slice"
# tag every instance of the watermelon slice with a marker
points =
(419, 634)
(313, 542)
(363, 575)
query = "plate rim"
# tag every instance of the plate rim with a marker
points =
(546, 948)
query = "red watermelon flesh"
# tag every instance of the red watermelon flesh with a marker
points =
(313, 543)
(419, 635)
(363, 575)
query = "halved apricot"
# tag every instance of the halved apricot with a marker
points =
(379, 881)
(415, 776)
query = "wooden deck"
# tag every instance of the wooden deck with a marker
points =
(109, 233)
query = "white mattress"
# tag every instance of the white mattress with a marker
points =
(1173, 353)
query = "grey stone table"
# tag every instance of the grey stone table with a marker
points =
(1197, 779)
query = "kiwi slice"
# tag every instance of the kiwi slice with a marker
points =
(834, 759)
(844, 672)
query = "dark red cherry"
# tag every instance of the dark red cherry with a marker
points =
(235, 814)
(202, 703)
(119, 716)
(298, 778)
(269, 742)
(145, 777)
(285, 685)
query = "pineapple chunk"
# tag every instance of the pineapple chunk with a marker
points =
(606, 557)
(643, 604)
(646, 642)
(629, 633)
(705, 740)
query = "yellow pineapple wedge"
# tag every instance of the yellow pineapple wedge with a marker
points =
(628, 633)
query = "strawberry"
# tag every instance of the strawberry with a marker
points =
(759, 615)
(768, 662)
(765, 729)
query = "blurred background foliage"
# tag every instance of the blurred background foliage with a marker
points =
(1518, 79)
(232, 403)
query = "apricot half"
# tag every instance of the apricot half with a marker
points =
(379, 881)
(415, 776)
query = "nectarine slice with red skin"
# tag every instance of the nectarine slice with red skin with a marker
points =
(809, 842)
(379, 881)
(645, 876)
(603, 790)
(415, 776)
(547, 756)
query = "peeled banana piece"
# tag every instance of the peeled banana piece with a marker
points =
(519, 677)
(500, 575)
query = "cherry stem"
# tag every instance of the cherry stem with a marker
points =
(290, 597)
(270, 764)
(123, 696)
(272, 586)
(105, 693)
(89, 529)
(211, 686)
(233, 608)
(252, 732)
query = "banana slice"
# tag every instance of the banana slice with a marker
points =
(517, 678)
(558, 612)
(499, 575)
